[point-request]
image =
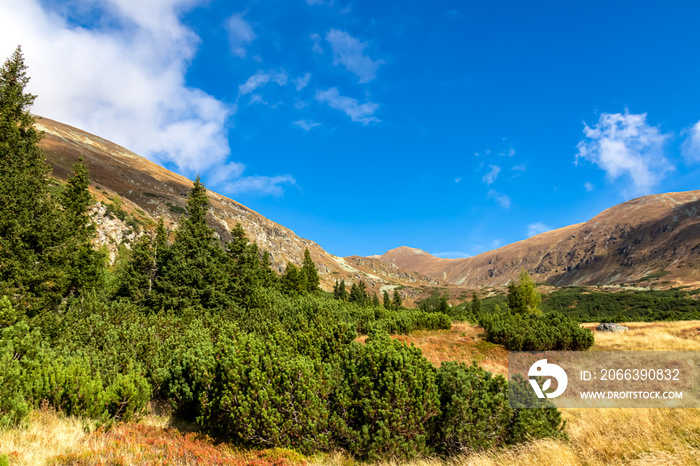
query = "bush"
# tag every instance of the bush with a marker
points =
(474, 409)
(529, 332)
(386, 399)
(264, 396)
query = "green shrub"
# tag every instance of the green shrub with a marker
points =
(262, 395)
(474, 409)
(541, 419)
(386, 399)
(529, 332)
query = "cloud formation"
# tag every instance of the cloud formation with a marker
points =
(240, 34)
(349, 52)
(491, 176)
(691, 146)
(123, 78)
(589, 186)
(306, 125)
(502, 199)
(536, 228)
(259, 79)
(361, 113)
(302, 81)
(625, 145)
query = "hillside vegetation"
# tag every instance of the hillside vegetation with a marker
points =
(207, 327)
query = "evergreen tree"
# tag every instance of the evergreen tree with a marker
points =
(193, 272)
(523, 297)
(396, 302)
(248, 270)
(386, 300)
(136, 279)
(342, 291)
(293, 282)
(308, 269)
(356, 294)
(45, 251)
(476, 304)
(84, 265)
(375, 300)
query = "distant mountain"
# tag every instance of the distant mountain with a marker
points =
(654, 237)
(649, 240)
(149, 191)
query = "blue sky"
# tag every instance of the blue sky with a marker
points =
(455, 127)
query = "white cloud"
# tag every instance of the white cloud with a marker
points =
(270, 185)
(349, 52)
(317, 48)
(502, 199)
(691, 146)
(240, 34)
(123, 78)
(491, 176)
(362, 113)
(259, 79)
(306, 125)
(519, 168)
(536, 228)
(589, 186)
(624, 144)
(457, 180)
(302, 81)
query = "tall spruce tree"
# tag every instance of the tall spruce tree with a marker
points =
(83, 264)
(396, 302)
(386, 301)
(45, 252)
(308, 269)
(248, 270)
(193, 272)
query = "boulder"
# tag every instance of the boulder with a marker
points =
(611, 328)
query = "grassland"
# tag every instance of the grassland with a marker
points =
(596, 436)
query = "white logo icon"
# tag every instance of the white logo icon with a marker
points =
(541, 368)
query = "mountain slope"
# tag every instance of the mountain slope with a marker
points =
(624, 244)
(151, 191)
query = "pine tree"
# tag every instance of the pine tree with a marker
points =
(308, 269)
(84, 265)
(375, 300)
(523, 297)
(386, 300)
(396, 302)
(193, 272)
(356, 295)
(248, 270)
(45, 251)
(342, 291)
(476, 304)
(292, 281)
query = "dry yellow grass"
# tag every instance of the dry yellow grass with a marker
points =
(650, 336)
(45, 436)
(462, 343)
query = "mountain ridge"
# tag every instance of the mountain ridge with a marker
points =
(622, 244)
(613, 248)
